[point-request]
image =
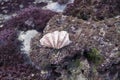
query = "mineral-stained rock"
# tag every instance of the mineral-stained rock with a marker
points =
(95, 9)
(30, 18)
(88, 37)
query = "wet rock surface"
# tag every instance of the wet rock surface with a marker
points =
(93, 9)
(61, 1)
(98, 42)
(30, 18)
(11, 6)
(14, 63)
(19, 72)
(58, 62)
(94, 53)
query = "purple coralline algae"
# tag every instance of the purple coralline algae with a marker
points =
(30, 18)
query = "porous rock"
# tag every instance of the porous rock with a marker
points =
(30, 18)
(93, 9)
(103, 36)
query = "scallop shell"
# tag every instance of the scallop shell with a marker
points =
(56, 39)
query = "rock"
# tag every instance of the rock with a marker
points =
(63, 1)
(10, 53)
(18, 72)
(56, 55)
(30, 18)
(102, 37)
(11, 6)
(41, 4)
(14, 64)
(8, 41)
(93, 9)
(111, 68)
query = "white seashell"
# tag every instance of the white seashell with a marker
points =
(56, 39)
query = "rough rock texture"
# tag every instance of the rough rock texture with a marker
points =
(98, 42)
(30, 18)
(11, 6)
(19, 72)
(93, 9)
(46, 58)
(62, 1)
(94, 53)
(10, 53)
(9, 46)
(14, 64)
(8, 37)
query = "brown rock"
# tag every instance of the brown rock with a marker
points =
(102, 36)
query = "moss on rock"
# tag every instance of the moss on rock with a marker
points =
(94, 56)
